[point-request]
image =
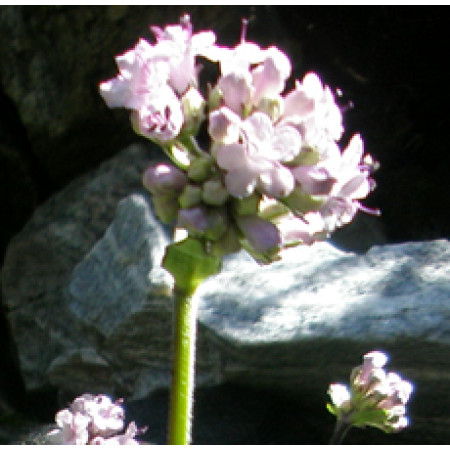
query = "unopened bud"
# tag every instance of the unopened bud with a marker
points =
(214, 193)
(191, 196)
(193, 106)
(165, 207)
(200, 169)
(226, 244)
(247, 206)
(164, 179)
(215, 98)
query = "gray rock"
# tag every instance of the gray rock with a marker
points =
(316, 307)
(40, 259)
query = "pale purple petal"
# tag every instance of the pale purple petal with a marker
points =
(356, 188)
(269, 78)
(161, 117)
(236, 89)
(278, 182)
(231, 157)
(262, 235)
(224, 125)
(240, 183)
(193, 219)
(259, 129)
(306, 230)
(164, 178)
(314, 180)
(287, 143)
(298, 105)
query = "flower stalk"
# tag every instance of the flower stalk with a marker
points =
(185, 324)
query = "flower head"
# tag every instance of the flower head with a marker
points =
(265, 143)
(92, 420)
(375, 398)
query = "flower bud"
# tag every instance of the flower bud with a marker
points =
(226, 244)
(247, 206)
(193, 106)
(190, 197)
(200, 169)
(215, 98)
(202, 222)
(165, 207)
(164, 179)
(261, 234)
(214, 193)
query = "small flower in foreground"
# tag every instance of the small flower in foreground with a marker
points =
(93, 420)
(375, 398)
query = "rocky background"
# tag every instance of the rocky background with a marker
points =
(70, 194)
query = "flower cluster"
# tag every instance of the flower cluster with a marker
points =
(375, 398)
(92, 420)
(273, 176)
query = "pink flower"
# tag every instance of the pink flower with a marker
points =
(224, 126)
(256, 163)
(73, 428)
(182, 46)
(270, 76)
(311, 107)
(141, 72)
(305, 230)
(352, 184)
(160, 117)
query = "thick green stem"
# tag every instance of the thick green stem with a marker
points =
(180, 414)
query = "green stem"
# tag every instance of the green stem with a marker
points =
(180, 414)
(340, 430)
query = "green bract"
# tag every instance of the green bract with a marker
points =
(190, 264)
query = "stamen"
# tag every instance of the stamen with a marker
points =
(244, 30)
(371, 211)
(185, 22)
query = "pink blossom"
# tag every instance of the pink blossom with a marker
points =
(305, 230)
(160, 117)
(182, 46)
(352, 184)
(256, 163)
(270, 76)
(73, 428)
(224, 125)
(312, 108)
(141, 72)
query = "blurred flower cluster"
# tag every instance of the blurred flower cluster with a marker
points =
(375, 398)
(93, 420)
(273, 175)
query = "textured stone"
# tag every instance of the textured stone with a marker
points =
(40, 259)
(290, 327)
